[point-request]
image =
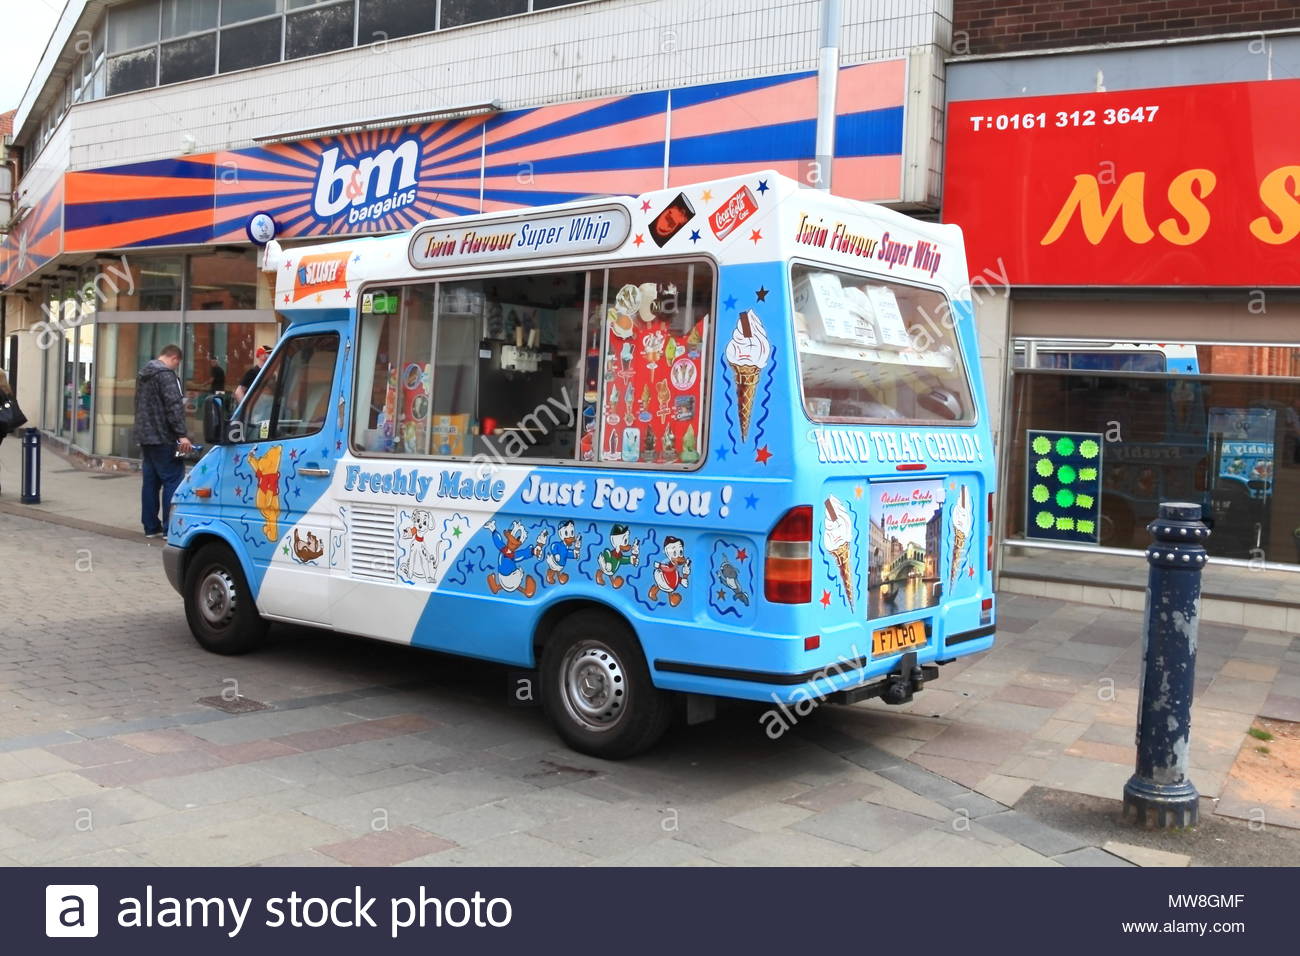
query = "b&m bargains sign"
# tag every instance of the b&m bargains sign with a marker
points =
(1184, 185)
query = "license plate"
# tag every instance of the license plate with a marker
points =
(897, 638)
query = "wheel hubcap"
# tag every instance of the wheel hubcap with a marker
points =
(594, 685)
(217, 598)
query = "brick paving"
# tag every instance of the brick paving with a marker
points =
(372, 754)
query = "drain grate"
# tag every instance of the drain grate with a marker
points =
(233, 705)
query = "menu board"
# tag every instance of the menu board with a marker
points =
(646, 404)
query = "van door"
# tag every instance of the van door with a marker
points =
(278, 501)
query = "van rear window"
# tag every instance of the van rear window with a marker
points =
(872, 351)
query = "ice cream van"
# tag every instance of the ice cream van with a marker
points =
(726, 440)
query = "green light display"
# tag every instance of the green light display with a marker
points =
(1063, 478)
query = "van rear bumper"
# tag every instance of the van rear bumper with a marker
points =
(172, 558)
(801, 677)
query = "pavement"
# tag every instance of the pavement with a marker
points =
(123, 743)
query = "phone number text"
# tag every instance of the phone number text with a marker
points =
(1063, 118)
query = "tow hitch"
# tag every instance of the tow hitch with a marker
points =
(898, 686)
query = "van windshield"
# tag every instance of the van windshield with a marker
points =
(876, 351)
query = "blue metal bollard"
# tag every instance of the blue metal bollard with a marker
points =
(31, 466)
(1159, 794)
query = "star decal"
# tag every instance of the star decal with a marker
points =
(338, 445)
(751, 502)
(357, 257)
(729, 302)
(708, 194)
(695, 235)
(288, 263)
(645, 205)
(239, 492)
(286, 298)
(319, 298)
(742, 554)
(347, 294)
(285, 549)
(761, 294)
(857, 492)
(455, 532)
(721, 452)
(762, 455)
(826, 599)
(721, 594)
(755, 236)
(763, 186)
(638, 240)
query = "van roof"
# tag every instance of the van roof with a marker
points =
(756, 217)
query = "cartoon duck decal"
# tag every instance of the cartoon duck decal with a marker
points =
(672, 573)
(621, 551)
(567, 544)
(421, 560)
(509, 575)
(267, 470)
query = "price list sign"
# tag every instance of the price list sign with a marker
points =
(1063, 485)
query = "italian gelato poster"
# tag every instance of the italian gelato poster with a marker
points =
(649, 395)
(906, 570)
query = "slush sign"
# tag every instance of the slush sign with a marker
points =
(367, 185)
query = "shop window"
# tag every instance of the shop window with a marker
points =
(122, 349)
(320, 28)
(133, 71)
(550, 4)
(217, 356)
(292, 396)
(557, 366)
(155, 286)
(183, 17)
(188, 59)
(388, 19)
(227, 279)
(253, 44)
(870, 351)
(457, 13)
(132, 25)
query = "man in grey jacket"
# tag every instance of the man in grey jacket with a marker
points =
(160, 432)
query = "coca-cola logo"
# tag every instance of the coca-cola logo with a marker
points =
(728, 217)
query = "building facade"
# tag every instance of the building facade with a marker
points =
(1127, 174)
(155, 130)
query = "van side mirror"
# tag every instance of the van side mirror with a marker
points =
(214, 420)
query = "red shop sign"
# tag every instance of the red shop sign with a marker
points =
(1189, 185)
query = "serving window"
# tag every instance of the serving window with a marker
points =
(583, 365)
(872, 351)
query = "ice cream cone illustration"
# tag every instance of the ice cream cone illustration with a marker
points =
(748, 353)
(962, 519)
(837, 540)
(267, 469)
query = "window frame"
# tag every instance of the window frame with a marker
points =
(282, 348)
(601, 266)
(976, 418)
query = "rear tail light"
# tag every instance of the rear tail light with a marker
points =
(989, 535)
(787, 572)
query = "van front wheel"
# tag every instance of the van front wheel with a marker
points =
(218, 603)
(597, 689)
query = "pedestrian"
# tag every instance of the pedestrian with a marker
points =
(160, 432)
(245, 383)
(11, 416)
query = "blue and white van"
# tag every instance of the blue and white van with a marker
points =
(724, 440)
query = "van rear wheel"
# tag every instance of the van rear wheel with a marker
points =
(218, 603)
(596, 688)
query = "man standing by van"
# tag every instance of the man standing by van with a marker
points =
(160, 432)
